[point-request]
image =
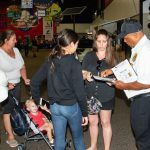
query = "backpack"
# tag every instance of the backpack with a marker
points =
(18, 120)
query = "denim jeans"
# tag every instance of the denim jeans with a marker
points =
(61, 115)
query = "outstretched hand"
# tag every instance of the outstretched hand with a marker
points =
(87, 75)
(106, 73)
(120, 85)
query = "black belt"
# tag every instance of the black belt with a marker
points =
(66, 102)
(140, 96)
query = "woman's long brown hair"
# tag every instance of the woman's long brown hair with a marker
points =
(110, 54)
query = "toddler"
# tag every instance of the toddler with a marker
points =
(39, 118)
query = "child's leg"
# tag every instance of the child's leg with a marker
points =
(48, 128)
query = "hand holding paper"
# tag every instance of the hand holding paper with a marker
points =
(106, 73)
(124, 72)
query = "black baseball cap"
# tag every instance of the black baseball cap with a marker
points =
(129, 26)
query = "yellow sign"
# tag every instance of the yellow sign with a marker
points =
(52, 11)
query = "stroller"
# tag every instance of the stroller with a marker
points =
(34, 134)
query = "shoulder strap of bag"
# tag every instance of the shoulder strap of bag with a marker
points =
(16, 101)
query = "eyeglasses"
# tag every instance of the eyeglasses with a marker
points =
(99, 62)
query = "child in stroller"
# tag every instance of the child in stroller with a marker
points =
(40, 119)
(33, 132)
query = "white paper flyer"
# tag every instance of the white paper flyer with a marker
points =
(124, 72)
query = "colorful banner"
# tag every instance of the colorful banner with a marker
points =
(41, 12)
(52, 11)
(22, 19)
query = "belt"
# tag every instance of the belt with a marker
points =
(66, 102)
(140, 96)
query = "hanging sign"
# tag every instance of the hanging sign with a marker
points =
(41, 12)
(26, 3)
(47, 29)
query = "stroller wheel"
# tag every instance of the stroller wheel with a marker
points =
(69, 143)
(21, 147)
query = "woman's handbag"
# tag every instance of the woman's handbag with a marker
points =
(18, 119)
(94, 105)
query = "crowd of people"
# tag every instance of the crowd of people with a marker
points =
(28, 45)
(71, 88)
